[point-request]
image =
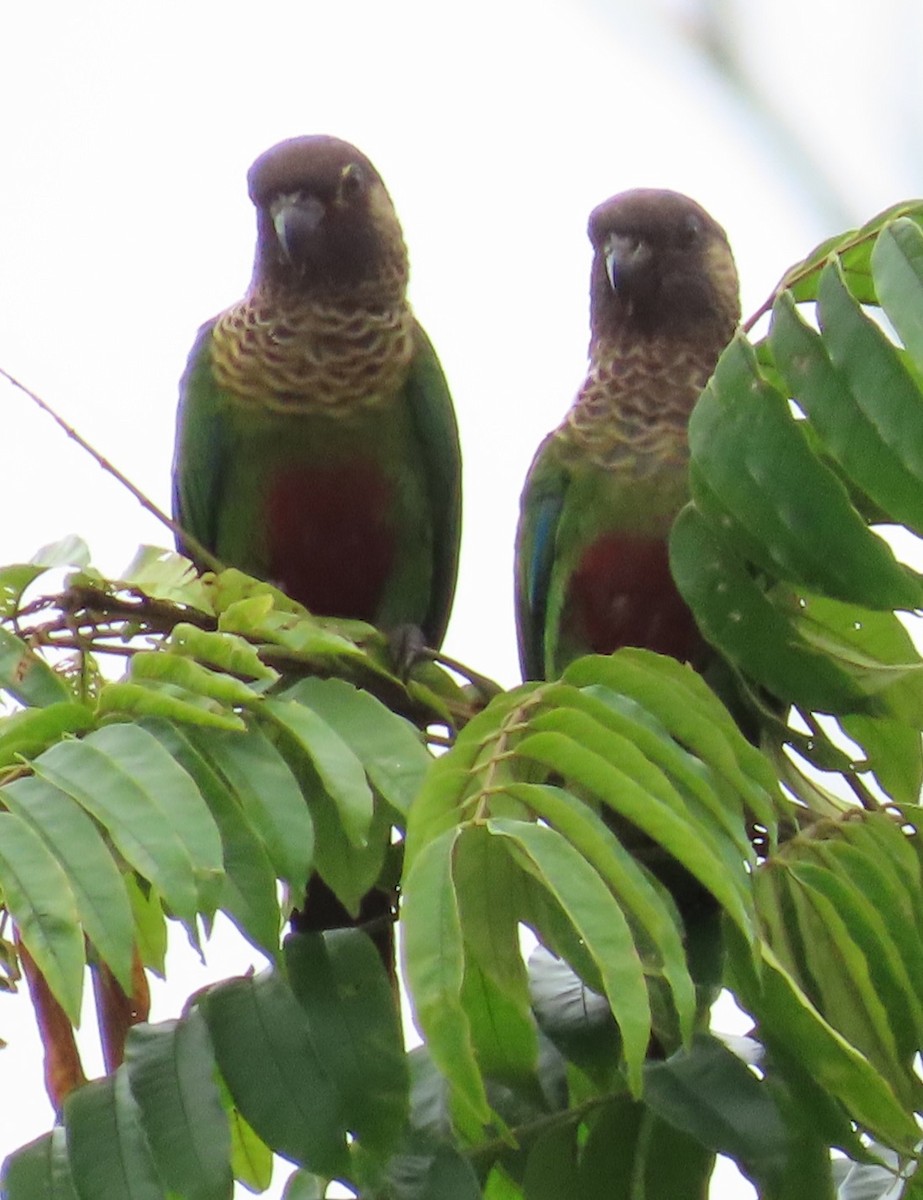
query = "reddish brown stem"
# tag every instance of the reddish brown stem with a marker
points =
(116, 1012)
(63, 1068)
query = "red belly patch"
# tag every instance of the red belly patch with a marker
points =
(622, 594)
(331, 544)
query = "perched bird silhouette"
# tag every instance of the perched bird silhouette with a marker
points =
(316, 442)
(592, 572)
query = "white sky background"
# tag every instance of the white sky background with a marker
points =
(125, 136)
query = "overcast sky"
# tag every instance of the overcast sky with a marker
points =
(125, 137)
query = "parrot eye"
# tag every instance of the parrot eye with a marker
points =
(352, 182)
(691, 230)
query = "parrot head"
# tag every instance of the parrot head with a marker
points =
(325, 222)
(661, 265)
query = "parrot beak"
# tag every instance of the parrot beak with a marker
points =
(624, 256)
(296, 219)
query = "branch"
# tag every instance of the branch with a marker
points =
(195, 547)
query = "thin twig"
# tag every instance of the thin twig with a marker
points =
(194, 546)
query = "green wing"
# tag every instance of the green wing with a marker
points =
(536, 546)
(436, 429)
(200, 449)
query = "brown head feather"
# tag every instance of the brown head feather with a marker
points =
(664, 302)
(662, 266)
(325, 223)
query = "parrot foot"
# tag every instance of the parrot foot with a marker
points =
(408, 647)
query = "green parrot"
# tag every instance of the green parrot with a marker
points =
(592, 570)
(316, 442)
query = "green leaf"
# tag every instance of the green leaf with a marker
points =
(249, 892)
(876, 987)
(708, 794)
(39, 1170)
(26, 734)
(97, 884)
(444, 1172)
(149, 806)
(301, 1185)
(224, 651)
(251, 1158)
(268, 1058)
(854, 250)
(792, 514)
(897, 268)
(714, 1097)
(858, 430)
(434, 964)
(187, 674)
(150, 924)
(795, 1029)
(165, 575)
(38, 895)
(894, 752)
(735, 614)
(170, 1069)
(140, 759)
(172, 703)
(255, 773)
(876, 885)
(880, 384)
(668, 828)
(388, 747)
(27, 677)
(631, 1154)
(495, 992)
(638, 896)
(340, 983)
(600, 924)
(873, 647)
(551, 1168)
(109, 1155)
(338, 769)
(677, 699)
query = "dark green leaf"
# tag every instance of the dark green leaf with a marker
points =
(278, 1081)
(170, 1069)
(551, 1168)
(714, 1097)
(340, 983)
(39, 1171)
(109, 1155)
